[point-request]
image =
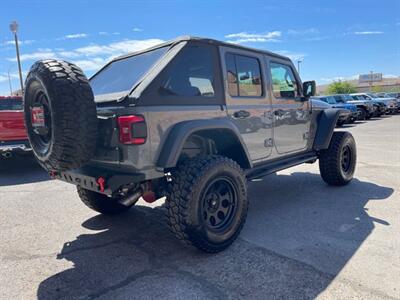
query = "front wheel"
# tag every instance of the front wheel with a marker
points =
(207, 202)
(337, 163)
(362, 113)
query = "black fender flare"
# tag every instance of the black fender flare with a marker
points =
(172, 145)
(326, 123)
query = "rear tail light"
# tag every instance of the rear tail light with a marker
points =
(132, 130)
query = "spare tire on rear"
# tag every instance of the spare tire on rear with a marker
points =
(60, 115)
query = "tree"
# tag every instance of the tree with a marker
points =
(377, 89)
(341, 87)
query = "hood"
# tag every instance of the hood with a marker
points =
(348, 106)
(357, 102)
(385, 100)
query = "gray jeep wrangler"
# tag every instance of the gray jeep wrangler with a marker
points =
(191, 120)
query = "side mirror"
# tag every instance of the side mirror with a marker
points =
(309, 88)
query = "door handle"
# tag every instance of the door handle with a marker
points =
(241, 114)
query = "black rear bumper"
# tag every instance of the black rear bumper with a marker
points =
(99, 180)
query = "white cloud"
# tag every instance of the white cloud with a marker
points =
(292, 55)
(244, 37)
(74, 36)
(35, 55)
(4, 76)
(69, 54)
(303, 31)
(137, 29)
(20, 42)
(108, 33)
(317, 38)
(92, 64)
(91, 57)
(367, 32)
(117, 48)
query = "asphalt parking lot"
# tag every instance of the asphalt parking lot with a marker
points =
(303, 239)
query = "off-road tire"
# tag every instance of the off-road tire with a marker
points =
(190, 181)
(101, 203)
(331, 159)
(72, 112)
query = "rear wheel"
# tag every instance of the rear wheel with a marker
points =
(60, 115)
(207, 202)
(337, 163)
(101, 203)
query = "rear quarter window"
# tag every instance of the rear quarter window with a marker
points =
(193, 77)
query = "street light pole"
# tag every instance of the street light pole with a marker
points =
(9, 81)
(298, 65)
(14, 29)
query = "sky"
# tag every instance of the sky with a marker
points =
(335, 40)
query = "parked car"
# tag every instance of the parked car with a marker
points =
(13, 136)
(344, 114)
(395, 96)
(391, 103)
(348, 106)
(365, 108)
(380, 107)
(165, 122)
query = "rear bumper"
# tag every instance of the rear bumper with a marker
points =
(15, 146)
(88, 178)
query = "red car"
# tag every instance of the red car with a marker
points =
(13, 137)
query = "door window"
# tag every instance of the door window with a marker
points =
(243, 75)
(284, 84)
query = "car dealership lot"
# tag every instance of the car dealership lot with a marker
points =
(302, 238)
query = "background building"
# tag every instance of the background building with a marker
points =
(384, 85)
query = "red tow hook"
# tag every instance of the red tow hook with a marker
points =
(101, 182)
(53, 174)
(148, 195)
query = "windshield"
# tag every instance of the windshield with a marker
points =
(10, 104)
(339, 99)
(348, 97)
(328, 99)
(122, 75)
(372, 95)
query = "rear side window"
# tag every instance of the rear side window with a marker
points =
(191, 75)
(284, 84)
(10, 104)
(243, 75)
(121, 75)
